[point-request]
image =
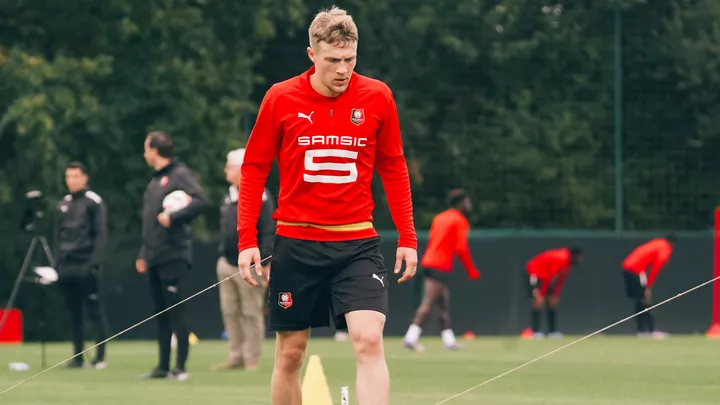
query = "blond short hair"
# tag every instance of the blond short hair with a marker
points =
(334, 26)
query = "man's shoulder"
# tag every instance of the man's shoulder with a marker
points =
(93, 197)
(291, 85)
(367, 83)
(65, 200)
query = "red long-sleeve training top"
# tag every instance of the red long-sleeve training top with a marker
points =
(327, 149)
(653, 255)
(449, 236)
(547, 266)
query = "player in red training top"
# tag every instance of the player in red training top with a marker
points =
(547, 271)
(650, 256)
(448, 237)
(329, 129)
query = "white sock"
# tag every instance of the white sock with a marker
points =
(448, 337)
(413, 334)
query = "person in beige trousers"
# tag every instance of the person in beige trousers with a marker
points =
(242, 305)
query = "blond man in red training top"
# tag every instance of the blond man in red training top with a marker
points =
(640, 270)
(329, 129)
(448, 237)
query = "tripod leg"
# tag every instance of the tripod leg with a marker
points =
(48, 251)
(16, 288)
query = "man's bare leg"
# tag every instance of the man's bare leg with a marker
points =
(433, 293)
(286, 385)
(366, 335)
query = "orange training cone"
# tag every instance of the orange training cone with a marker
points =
(527, 334)
(714, 331)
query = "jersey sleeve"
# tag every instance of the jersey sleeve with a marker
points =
(261, 149)
(99, 222)
(463, 249)
(663, 255)
(559, 283)
(392, 167)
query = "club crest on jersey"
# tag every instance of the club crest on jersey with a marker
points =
(164, 181)
(285, 300)
(357, 116)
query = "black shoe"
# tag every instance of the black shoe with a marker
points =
(74, 364)
(156, 373)
(179, 375)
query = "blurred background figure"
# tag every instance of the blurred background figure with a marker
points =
(448, 237)
(649, 257)
(165, 255)
(547, 271)
(80, 240)
(242, 305)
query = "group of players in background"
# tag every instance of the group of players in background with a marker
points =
(329, 128)
(545, 274)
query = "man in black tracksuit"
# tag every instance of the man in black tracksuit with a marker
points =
(165, 255)
(80, 239)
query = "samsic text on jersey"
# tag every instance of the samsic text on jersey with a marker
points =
(327, 150)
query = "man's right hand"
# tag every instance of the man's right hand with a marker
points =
(140, 266)
(246, 258)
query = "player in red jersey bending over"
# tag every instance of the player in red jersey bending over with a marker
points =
(548, 270)
(329, 128)
(448, 237)
(650, 256)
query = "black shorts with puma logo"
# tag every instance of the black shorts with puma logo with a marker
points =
(310, 282)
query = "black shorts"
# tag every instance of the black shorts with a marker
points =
(536, 283)
(634, 284)
(311, 280)
(437, 275)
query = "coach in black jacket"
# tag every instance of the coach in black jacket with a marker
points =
(80, 236)
(242, 304)
(165, 254)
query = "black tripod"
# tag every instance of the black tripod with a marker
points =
(37, 279)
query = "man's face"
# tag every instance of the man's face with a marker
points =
(334, 65)
(232, 173)
(467, 205)
(577, 259)
(150, 153)
(75, 179)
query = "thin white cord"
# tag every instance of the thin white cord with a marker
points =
(572, 343)
(132, 327)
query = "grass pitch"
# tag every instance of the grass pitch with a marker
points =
(599, 370)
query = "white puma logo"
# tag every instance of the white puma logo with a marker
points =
(380, 279)
(307, 117)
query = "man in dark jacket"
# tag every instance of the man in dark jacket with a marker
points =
(80, 239)
(242, 305)
(165, 255)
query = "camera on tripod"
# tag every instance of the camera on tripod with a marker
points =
(33, 211)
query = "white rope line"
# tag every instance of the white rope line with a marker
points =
(132, 327)
(572, 343)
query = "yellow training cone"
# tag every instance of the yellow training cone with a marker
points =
(315, 388)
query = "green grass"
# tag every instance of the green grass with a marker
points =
(600, 370)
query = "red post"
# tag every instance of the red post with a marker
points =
(714, 331)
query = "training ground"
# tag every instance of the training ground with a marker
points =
(610, 370)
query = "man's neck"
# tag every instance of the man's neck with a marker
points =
(319, 87)
(161, 164)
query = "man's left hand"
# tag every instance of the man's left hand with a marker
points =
(409, 256)
(164, 219)
(553, 301)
